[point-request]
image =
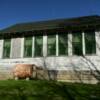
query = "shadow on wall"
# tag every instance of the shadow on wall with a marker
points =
(95, 72)
(41, 73)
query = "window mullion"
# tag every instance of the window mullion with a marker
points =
(45, 45)
(83, 42)
(11, 48)
(70, 44)
(57, 46)
(33, 46)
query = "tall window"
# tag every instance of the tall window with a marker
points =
(6, 47)
(28, 47)
(90, 44)
(51, 50)
(38, 46)
(77, 43)
(63, 44)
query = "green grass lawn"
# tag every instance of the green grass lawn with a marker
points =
(47, 90)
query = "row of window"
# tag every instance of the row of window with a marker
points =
(52, 44)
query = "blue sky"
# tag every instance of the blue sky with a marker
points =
(18, 11)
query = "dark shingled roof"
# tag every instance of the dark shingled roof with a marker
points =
(54, 24)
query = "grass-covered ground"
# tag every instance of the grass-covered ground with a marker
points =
(47, 90)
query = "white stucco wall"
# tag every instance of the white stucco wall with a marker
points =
(58, 63)
(15, 47)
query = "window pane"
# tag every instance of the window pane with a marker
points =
(77, 43)
(6, 51)
(90, 45)
(38, 45)
(63, 44)
(28, 47)
(51, 45)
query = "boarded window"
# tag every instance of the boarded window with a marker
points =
(28, 47)
(51, 50)
(63, 44)
(6, 47)
(90, 44)
(77, 43)
(38, 46)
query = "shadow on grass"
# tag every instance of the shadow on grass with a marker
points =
(47, 90)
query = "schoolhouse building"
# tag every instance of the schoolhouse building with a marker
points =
(68, 48)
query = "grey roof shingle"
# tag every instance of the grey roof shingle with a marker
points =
(53, 24)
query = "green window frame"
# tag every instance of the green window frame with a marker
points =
(77, 43)
(63, 44)
(38, 46)
(90, 43)
(28, 47)
(6, 48)
(51, 45)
